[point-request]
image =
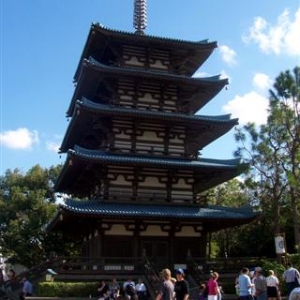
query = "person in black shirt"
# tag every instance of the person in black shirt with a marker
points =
(103, 290)
(181, 287)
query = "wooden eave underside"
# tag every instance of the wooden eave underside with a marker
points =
(200, 131)
(193, 93)
(186, 56)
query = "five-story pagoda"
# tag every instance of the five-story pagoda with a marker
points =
(133, 145)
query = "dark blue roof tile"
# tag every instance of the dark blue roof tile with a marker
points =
(98, 208)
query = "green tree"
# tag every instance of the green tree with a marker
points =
(27, 203)
(239, 241)
(273, 151)
(285, 107)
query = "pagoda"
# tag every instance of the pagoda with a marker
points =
(132, 148)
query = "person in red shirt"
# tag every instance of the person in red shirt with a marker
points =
(212, 285)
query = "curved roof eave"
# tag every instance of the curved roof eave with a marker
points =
(221, 124)
(79, 158)
(97, 209)
(173, 44)
(161, 75)
(123, 111)
(108, 158)
(92, 70)
(156, 39)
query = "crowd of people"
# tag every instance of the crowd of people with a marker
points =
(10, 276)
(257, 284)
(254, 285)
(170, 288)
(130, 290)
(250, 285)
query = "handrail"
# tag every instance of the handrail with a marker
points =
(226, 264)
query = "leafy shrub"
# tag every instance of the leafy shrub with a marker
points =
(66, 289)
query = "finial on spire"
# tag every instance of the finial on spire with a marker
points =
(140, 16)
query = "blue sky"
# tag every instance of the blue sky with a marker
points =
(42, 40)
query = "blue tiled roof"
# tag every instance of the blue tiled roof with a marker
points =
(93, 71)
(132, 35)
(92, 106)
(93, 207)
(109, 158)
(152, 74)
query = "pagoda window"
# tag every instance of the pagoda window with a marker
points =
(156, 194)
(146, 58)
(118, 229)
(182, 183)
(152, 182)
(152, 230)
(133, 61)
(147, 95)
(149, 142)
(181, 196)
(123, 133)
(159, 59)
(150, 136)
(175, 141)
(187, 231)
(134, 54)
(120, 184)
(148, 102)
(120, 181)
(158, 65)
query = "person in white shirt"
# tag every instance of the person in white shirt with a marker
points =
(272, 286)
(291, 277)
(141, 290)
(295, 294)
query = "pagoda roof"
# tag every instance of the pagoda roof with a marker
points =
(214, 216)
(82, 120)
(81, 161)
(203, 89)
(188, 56)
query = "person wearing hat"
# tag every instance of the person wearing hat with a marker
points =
(260, 285)
(181, 287)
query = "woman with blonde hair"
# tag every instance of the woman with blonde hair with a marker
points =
(166, 291)
(272, 286)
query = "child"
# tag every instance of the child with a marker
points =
(203, 292)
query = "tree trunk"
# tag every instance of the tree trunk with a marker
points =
(295, 219)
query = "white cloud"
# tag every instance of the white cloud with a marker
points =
(282, 37)
(200, 74)
(52, 146)
(228, 55)
(224, 75)
(22, 138)
(262, 81)
(250, 107)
